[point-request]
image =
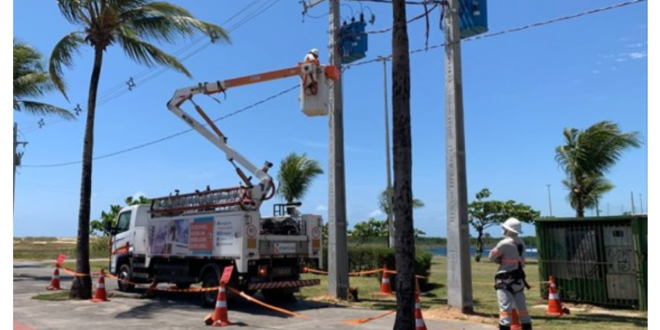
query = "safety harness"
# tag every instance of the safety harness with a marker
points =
(512, 277)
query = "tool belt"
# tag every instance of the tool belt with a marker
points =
(506, 281)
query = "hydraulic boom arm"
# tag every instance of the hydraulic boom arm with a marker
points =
(258, 192)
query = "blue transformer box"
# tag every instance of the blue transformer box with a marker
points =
(354, 41)
(474, 17)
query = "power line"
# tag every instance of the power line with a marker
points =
(499, 33)
(176, 134)
(589, 12)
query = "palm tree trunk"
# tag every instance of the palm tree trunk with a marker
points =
(403, 201)
(81, 288)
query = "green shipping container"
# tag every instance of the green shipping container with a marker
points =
(595, 260)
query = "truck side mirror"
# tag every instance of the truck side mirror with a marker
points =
(108, 228)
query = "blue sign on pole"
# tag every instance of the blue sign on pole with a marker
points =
(474, 17)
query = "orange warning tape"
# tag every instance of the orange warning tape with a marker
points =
(394, 272)
(368, 319)
(259, 302)
(364, 272)
(75, 274)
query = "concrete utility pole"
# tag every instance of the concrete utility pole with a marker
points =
(17, 159)
(337, 246)
(459, 272)
(549, 199)
(641, 206)
(388, 166)
(632, 202)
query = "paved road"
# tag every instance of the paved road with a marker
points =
(174, 311)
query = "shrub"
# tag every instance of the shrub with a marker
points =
(362, 258)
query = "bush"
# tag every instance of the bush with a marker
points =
(363, 258)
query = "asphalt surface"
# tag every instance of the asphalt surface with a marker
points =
(174, 311)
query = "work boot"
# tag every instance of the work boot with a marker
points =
(505, 327)
(526, 326)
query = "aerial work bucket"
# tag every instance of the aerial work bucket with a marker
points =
(315, 90)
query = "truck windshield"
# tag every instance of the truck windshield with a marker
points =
(123, 222)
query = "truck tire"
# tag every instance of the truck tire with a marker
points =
(210, 279)
(124, 273)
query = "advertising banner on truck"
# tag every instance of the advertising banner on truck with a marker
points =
(181, 236)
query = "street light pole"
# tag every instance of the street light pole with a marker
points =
(388, 166)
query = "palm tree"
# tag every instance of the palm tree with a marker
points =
(295, 175)
(32, 81)
(589, 154)
(402, 142)
(103, 23)
(594, 187)
(385, 207)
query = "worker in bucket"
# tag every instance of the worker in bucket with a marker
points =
(510, 278)
(312, 55)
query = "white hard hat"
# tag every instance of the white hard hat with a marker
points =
(513, 225)
(314, 52)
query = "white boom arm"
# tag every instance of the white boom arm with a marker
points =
(259, 191)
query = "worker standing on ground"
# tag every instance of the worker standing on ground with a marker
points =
(510, 278)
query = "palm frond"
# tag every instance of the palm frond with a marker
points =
(73, 11)
(62, 55)
(148, 54)
(32, 85)
(44, 109)
(164, 21)
(295, 176)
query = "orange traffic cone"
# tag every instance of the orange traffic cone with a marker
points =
(220, 318)
(100, 294)
(419, 320)
(55, 280)
(385, 287)
(515, 322)
(554, 304)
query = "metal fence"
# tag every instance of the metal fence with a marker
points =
(596, 260)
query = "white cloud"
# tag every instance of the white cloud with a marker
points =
(321, 208)
(636, 45)
(637, 55)
(375, 213)
(621, 59)
(595, 72)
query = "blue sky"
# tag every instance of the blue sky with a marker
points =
(520, 90)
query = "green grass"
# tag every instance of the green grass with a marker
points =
(49, 248)
(434, 300)
(55, 296)
(95, 266)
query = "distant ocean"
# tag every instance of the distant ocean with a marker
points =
(531, 253)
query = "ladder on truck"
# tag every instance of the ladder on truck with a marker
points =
(217, 200)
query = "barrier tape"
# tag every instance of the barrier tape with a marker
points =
(73, 273)
(259, 302)
(394, 272)
(368, 319)
(360, 273)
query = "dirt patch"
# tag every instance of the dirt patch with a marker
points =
(447, 313)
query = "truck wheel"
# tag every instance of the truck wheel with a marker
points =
(279, 296)
(124, 274)
(208, 297)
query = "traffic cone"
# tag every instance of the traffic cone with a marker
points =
(220, 318)
(100, 294)
(419, 320)
(515, 322)
(385, 287)
(55, 280)
(554, 304)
